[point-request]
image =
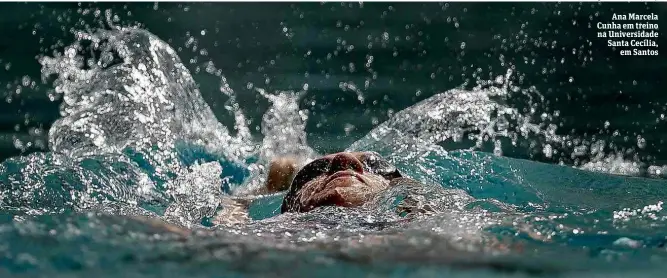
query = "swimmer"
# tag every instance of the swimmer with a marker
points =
(352, 179)
(347, 179)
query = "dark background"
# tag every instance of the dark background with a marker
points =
(418, 50)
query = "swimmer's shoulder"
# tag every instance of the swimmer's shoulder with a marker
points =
(234, 210)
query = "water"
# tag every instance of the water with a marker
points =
(136, 145)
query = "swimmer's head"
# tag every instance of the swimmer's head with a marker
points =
(342, 179)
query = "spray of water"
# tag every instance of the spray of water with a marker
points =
(128, 98)
(482, 119)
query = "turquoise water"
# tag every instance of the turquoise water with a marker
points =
(578, 213)
(138, 162)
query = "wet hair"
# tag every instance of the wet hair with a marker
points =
(372, 163)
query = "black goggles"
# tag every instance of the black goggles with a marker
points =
(371, 161)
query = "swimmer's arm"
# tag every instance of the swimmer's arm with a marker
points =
(281, 172)
(234, 209)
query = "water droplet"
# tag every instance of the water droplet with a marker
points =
(547, 150)
(348, 128)
(641, 142)
(25, 81)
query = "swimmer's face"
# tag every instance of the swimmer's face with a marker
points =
(342, 179)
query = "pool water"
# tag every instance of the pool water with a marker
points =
(137, 164)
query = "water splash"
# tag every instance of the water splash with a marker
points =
(284, 130)
(126, 88)
(51, 183)
(126, 96)
(196, 194)
(284, 127)
(482, 118)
